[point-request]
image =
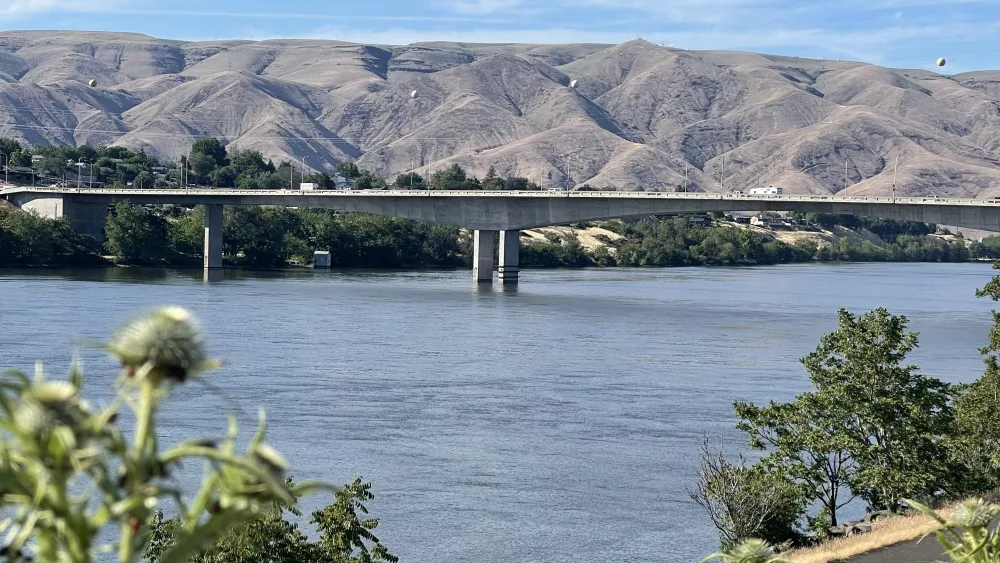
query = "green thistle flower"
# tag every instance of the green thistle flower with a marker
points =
(168, 339)
(50, 404)
(748, 551)
(974, 513)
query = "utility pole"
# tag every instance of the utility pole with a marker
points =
(845, 176)
(894, 168)
(723, 178)
(302, 176)
(686, 176)
(291, 174)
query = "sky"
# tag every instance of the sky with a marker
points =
(896, 33)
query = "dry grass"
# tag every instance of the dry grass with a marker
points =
(885, 533)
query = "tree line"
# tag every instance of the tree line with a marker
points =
(873, 429)
(209, 162)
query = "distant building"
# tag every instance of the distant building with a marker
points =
(767, 221)
(342, 183)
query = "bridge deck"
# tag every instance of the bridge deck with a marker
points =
(285, 193)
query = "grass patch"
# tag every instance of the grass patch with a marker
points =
(885, 532)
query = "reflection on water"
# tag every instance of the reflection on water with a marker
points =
(556, 421)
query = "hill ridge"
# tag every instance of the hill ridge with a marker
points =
(642, 116)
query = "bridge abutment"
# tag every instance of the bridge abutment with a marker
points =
(213, 237)
(482, 260)
(510, 257)
(85, 217)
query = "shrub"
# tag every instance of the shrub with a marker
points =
(70, 475)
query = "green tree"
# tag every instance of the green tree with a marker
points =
(10, 146)
(136, 235)
(977, 426)
(748, 502)
(348, 170)
(52, 165)
(249, 163)
(409, 180)
(367, 180)
(345, 535)
(27, 239)
(872, 427)
(224, 177)
(451, 178)
(260, 235)
(87, 153)
(492, 181)
(187, 232)
(202, 164)
(143, 180)
(212, 148)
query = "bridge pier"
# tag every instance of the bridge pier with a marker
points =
(510, 256)
(482, 259)
(213, 237)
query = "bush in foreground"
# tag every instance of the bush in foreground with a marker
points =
(70, 475)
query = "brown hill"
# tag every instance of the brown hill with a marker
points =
(641, 116)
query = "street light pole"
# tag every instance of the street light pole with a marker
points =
(686, 176)
(894, 168)
(723, 178)
(303, 174)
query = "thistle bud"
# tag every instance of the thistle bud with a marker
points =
(270, 458)
(974, 513)
(752, 551)
(168, 339)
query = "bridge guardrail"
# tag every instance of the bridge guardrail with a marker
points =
(505, 193)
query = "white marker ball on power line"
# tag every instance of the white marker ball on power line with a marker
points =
(413, 94)
(92, 83)
(573, 84)
(941, 61)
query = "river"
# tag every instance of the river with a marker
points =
(558, 422)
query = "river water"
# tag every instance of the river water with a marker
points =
(559, 422)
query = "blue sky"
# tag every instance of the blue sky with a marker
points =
(898, 33)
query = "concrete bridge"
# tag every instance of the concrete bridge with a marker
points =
(490, 212)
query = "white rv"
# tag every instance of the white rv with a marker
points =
(770, 190)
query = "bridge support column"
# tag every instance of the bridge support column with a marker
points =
(482, 260)
(510, 256)
(213, 237)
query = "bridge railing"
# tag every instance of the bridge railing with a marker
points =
(221, 192)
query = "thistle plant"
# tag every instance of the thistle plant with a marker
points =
(68, 473)
(748, 551)
(966, 537)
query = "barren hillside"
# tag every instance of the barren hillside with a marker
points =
(641, 116)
